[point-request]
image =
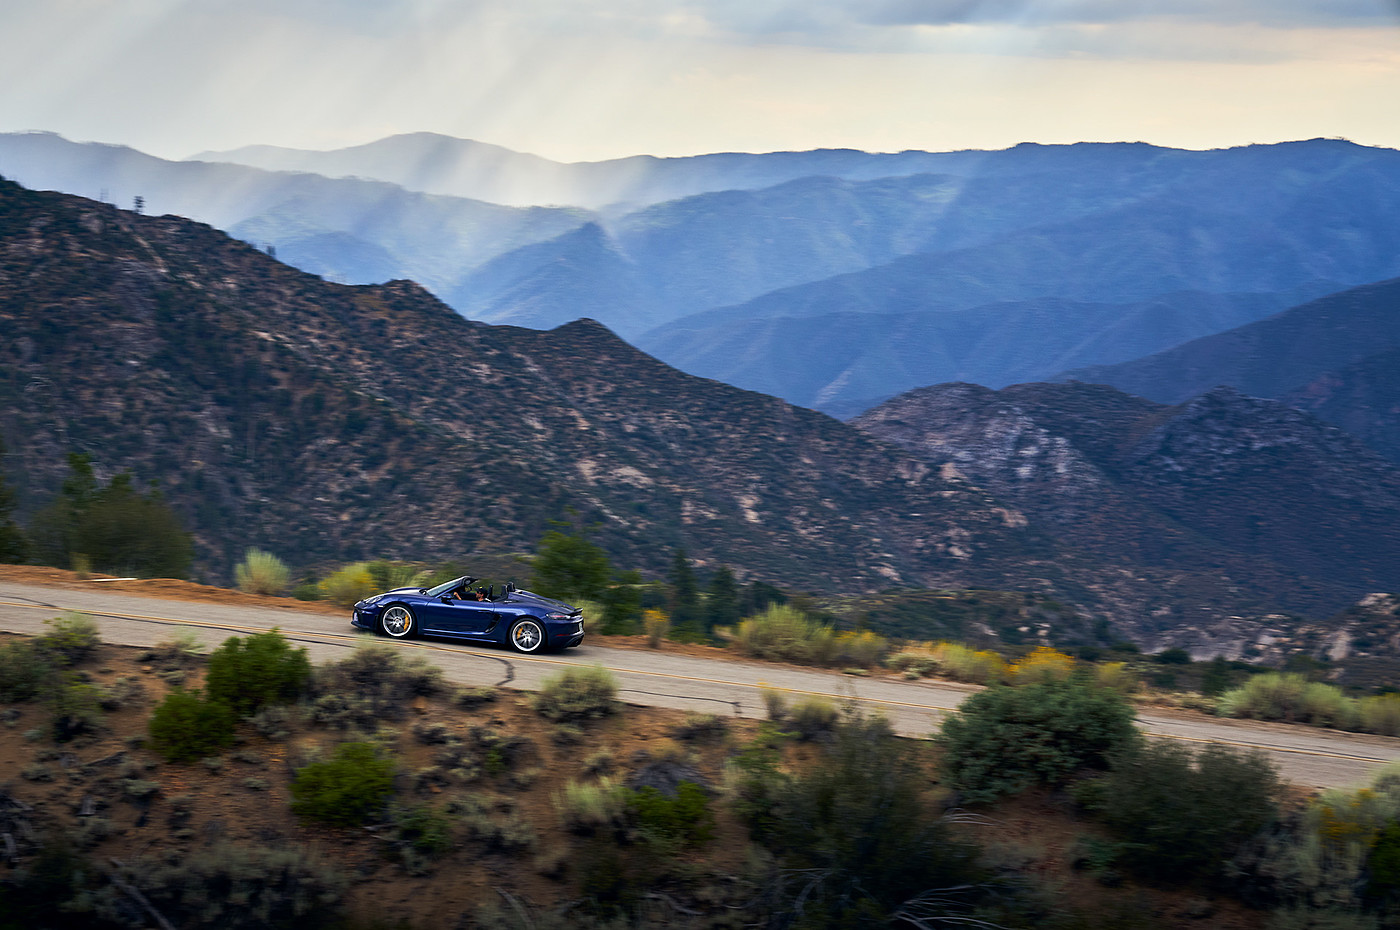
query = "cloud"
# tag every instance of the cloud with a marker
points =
(1277, 13)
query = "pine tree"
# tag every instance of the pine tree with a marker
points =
(687, 618)
(722, 600)
(12, 543)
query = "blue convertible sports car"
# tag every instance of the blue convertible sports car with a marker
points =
(528, 622)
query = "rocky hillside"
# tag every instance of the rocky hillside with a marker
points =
(1249, 499)
(329, 423)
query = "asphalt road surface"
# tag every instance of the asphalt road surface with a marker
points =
(1306, 756)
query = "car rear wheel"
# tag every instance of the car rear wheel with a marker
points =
(527, 635)
(397, 621)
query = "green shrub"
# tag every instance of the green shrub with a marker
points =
(346, 789)
(25, 672)
(71, 639)
(422, 832)
(577, 694)
(255, 670)
(1383, 863)
(684, 820)
(262, 573)
(1007, 739)
(1180, 817)
(852, 833)
(187, 726)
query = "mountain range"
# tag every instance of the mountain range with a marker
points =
(833, 279)
(328, 423)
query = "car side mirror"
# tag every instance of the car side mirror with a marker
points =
(446, 599)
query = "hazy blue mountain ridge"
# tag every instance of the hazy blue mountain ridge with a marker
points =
(719, 283)
(851, 361)
(1270, 357)
(350, 230)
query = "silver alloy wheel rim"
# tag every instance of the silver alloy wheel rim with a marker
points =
(527, 636)
(397, 621)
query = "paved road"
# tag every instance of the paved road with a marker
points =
(1306, 756)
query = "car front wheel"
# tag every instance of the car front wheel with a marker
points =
(397, 622)
(527, 635)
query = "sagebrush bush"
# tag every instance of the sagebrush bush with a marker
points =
(71, 639)
(960, 663)
(1289, 697)
(233, 887)
(1324, 705)
(1313, 869)
(262, 573)
(187, 726)
(388, 575)
(1116, 675)
(348, 585)
(784, 633)
(863, 649)
(813, 718)
(657, 625)
(76, 708)
(916, 661)
(577, 694)
(586, 807)
(347, 788)
(250, 672)
(1380, 713)
(377, 682)
(1006, 739)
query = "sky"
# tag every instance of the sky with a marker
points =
(583, 80)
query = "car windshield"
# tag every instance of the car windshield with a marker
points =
(446, 586)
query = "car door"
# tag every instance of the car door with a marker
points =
(457, 618)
